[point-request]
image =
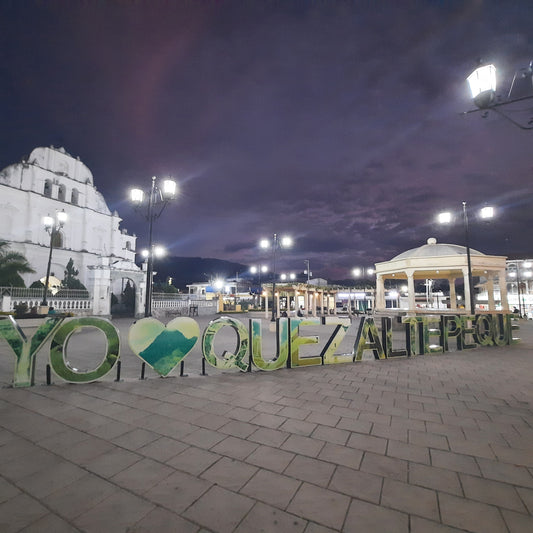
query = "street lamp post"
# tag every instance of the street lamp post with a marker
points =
(307, 269)
(482, 84)
(446, 218)
(52, 226)
(284, 242)
(364, 273)
(258, 270)
(156, 251)
(155, 200)
(262, 269)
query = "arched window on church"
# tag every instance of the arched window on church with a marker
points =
(58, 240)
(74, 198)
(62, 193)
(128, 245)
(48, 188)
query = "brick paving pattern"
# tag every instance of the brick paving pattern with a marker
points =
(433, 443)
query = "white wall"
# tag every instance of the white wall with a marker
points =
(91, 231)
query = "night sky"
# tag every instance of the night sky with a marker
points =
(339, 123)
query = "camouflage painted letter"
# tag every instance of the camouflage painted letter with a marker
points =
(58, 350)
(24, 348)
(228, 359)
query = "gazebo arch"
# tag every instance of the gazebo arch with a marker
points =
(442, 261)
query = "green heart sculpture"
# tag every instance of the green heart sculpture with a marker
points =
(163, 347)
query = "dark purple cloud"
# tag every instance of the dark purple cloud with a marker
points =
(337, 122)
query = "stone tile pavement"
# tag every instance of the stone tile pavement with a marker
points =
(433, 443)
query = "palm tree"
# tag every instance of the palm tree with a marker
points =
(12, 264)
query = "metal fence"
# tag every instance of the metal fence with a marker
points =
(182, 305)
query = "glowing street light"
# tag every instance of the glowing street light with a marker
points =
(155, 200)
(447, 218)
(52, 225)
(275, 244)
(291, 276)
(483, 83)
(358, 272)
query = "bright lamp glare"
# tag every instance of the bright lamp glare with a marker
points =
(145, 253)
(169, 188)
(286, 242)
(444, 218)
(137, 196)
(159, 251)
(61, 217)
(48, 221)
(356, 272)
(487, 212)
(370, 271)
(483, 79)
(264, 243)
(253, 270)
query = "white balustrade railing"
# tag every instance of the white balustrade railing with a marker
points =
(64, 301)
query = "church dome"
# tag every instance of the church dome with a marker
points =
(434, 249)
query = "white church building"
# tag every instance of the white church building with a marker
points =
(51, 180)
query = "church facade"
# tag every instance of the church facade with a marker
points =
(51, 180)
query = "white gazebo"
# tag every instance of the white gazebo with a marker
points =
(442, 261)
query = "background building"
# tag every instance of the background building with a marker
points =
(52, 180)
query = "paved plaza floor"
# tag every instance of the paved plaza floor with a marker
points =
(432, 443)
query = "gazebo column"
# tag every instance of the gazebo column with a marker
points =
(411, 289)
(313, 303)
(490, 292)
(503, 290)
(266, 303)
(467, 292)
(306, 302)
(453, 295)
(380, 293)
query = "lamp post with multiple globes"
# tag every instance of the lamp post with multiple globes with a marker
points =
(446, 217)
(363, 273)
(52, 225)
(275, 244)
(155, 200)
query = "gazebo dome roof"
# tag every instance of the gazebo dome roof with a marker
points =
(433, 249)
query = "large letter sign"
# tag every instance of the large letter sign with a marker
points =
(58, 350)
(164, 347)
(228, 359)
(282, 336)
(25, 350)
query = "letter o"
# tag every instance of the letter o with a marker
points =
(228, 360)
(59, 345)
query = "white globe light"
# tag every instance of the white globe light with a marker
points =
(444, 218)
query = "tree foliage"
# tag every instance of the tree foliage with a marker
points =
(70, 281)
(12, 265)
